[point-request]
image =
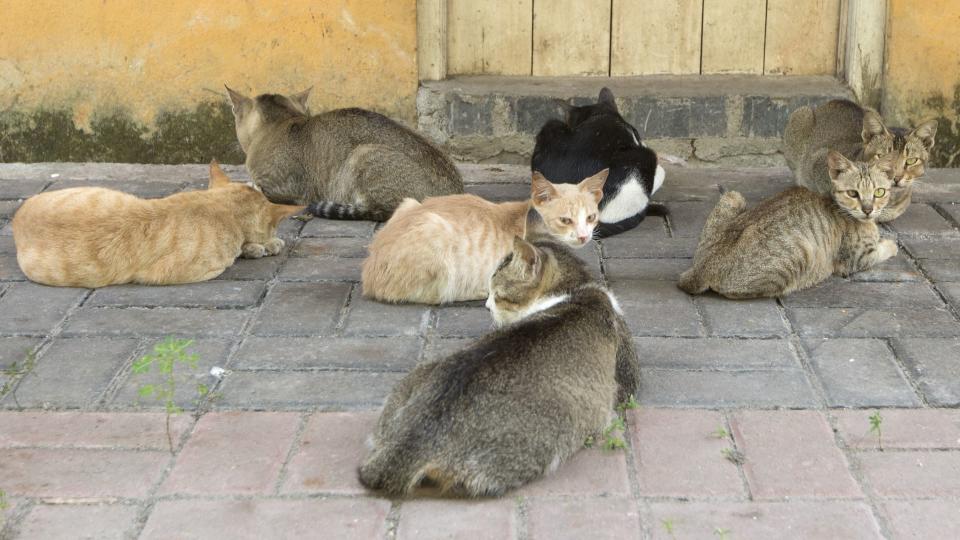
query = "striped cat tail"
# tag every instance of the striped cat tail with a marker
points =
(335, 210)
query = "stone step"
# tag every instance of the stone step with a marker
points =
(707, 120)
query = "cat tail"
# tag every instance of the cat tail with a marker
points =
(335, 210)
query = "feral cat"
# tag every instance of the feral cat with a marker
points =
(346, 164)
(446, 249)
(93, 237)
(795, 239)
(860, 134)
(596, 137)
(515, 404)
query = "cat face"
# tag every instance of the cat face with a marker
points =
(907, 150)
(570, 212)
(261, 216)
(515, 287)
(250, 115)
(861, 190)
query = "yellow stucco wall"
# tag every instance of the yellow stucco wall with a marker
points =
(145, 57)
(922, 69)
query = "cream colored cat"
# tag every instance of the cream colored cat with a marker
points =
(92, 237)
(446, 249)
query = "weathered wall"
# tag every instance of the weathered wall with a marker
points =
(128, 80)
(922, 72)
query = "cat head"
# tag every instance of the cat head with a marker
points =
(907, 150)
(569, 212)
(860, 189)
(259, 216)
(250, 115)
(605, 107)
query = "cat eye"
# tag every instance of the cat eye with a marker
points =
(853, 193)
(566, 221)
(913, 161)
(880, 192)
(591, 218)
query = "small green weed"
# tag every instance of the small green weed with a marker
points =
(724, 534)
(876, 423)
(589, 442)
(668, 526)
(630, 404)
(13, 371)
(613, 434)
(720, 433)
(733, 456)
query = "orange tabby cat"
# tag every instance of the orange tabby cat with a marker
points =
(446, 249)
(92, 237)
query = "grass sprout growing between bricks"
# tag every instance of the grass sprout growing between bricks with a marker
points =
(876, 423)
(720, 433)
(668, 526)
(15, 370)
(733, 456)
(165, 357)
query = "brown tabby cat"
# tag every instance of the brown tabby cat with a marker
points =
(795, 239)
(446, 249)
(518, 402)
(859, 133)
(92, 237)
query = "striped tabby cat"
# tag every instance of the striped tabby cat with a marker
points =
(795, 239)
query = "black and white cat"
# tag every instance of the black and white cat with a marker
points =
(593, 138)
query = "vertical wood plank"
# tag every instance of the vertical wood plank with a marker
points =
(863, 48)
(656, 36)
(571, 37)
(802, 37)
(432, 39)
(489, 36)
(733, 36)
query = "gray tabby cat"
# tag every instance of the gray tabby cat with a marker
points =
(346, 163)
(795, 239)
(860, 134)
(518, 402)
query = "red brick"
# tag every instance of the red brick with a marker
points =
(612, 518)
(901, 428)
(90, 430)
(71, 473)
(330, 519)
(589, 472)
(791, 454)
(923, 520)
(912, 474)
(463, 520)
(233, 452)
(801, 520)
(331, 448)
(80, 521)
(677, 456)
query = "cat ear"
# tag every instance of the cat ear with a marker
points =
(218, 178)
(237, 100)
(606, 96)
(280, 211)
(594, 184)
(872, 125)
(926, 132)
(837, 164)
(524, 252)
(301, 98)
(541, 190)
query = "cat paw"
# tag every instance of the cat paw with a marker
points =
(887, 248)
(274, 245)
(253, 251)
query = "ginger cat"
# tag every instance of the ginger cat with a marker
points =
(446, 249)
(93, 237)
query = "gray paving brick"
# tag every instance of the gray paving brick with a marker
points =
(657, 308)
(205, 294)
(463, 321)
(301, 309)
(145, 189)
(500, 192)
(331, 247)
(9, 269)
(922, 219)
(74, 372)
(652, 227)
(941, 270)
(759, 389)
(933, 248)
(263, 268)
(633, 248)
(14, 350)
(28, 308)
(210, 353)
(590, 254)
(392, 354)
(859, 373)
(857, 322)
(843, 293)
(953, 210)
(645, 269)
(746, 318)
(442, 347)
(178, 322)
(370, 318)
(952, 292)
(298, 390)
(687, 184)
(939, 186)
(715, 353)
(756, 184)
(934, 364)
(894, 269)
(7, 208)
(289, 231)
(321, 269)
(333, 228)
(21, 188)
(687, 218)
(7, 247)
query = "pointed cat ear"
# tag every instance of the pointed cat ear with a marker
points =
(237, 100)
(872, 125)
(606, 96)
(541, 190)
(837, 164)
(926, 132)
(301, 98)
(280, 211)
(218, 178)
(594, 184)
(524, 251)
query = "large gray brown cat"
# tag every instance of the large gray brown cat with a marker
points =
(346, 163)
(518, 402)
(795, 239)
(860, 134)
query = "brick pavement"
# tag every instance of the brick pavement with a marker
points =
(308, 361)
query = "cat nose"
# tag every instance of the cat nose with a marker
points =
(867, 209)
(583, 238)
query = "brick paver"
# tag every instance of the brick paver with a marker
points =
(912, 473)
(330, 451)
(608, 518)
(466, 520)
(115, 521)
(920, 520)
